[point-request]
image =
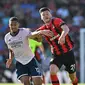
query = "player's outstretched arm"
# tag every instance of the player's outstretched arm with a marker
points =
(63, 34)
(36, 36)
(44, 32)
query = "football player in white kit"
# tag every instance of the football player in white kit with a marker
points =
(17, 42)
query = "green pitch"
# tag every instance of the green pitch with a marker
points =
(46, 84)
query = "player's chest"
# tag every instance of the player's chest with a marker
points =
(15, 42)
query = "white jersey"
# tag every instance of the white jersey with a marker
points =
(19, 45)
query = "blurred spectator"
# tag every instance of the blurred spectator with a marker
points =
(63, 12)
(78, 19)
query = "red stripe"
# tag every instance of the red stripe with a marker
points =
(69, 42)
(56, 48)
(54, 78)
(48, 40)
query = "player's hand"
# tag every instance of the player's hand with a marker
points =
(46, 33)
(8, 63)
(61, 40)
(38, 38)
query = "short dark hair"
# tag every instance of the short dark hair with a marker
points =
(44, 9)
(14, 19)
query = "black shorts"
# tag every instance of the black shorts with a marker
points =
(30, 69)
(66, 59)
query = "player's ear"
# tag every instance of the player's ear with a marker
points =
(18, 24)
(41, 18)
(9, 25)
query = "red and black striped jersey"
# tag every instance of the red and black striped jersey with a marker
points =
(55, 27)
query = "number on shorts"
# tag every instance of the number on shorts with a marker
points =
(72, 67)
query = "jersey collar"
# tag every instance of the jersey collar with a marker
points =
(14, 33)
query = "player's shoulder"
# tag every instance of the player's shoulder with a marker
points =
(8, 34)
(24, 29)
(57, 19)
(6, 37)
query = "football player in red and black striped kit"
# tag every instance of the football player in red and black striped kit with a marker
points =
(61, 46)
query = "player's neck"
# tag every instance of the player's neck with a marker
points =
(47, 23)
(14, 33)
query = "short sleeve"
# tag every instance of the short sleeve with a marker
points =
(59, 22)
(6, 41)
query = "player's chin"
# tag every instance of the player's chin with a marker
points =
(47, 20)
(14, 30)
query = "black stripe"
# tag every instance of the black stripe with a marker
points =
(48, 39)
(70, 41)
(75, 83)
(67, 46)
(63, 23)
(59, 46)
(54, 53)
(55, 82)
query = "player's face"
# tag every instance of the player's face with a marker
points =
(46, 16)
(14, 25)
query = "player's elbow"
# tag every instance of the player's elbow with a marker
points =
(38, 38)
(65, 28)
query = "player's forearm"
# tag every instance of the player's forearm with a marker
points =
(42, 48)
(65, 31)
(33, 35)
(11, 54)
(36, 36)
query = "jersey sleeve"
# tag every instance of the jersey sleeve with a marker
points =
(58, 22)
(6, 41)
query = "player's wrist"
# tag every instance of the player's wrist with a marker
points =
(62, 36)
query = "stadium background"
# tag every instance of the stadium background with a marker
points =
(71, 11)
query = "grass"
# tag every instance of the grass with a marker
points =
(21, 84)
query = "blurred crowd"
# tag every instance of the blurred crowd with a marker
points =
(71, 11)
